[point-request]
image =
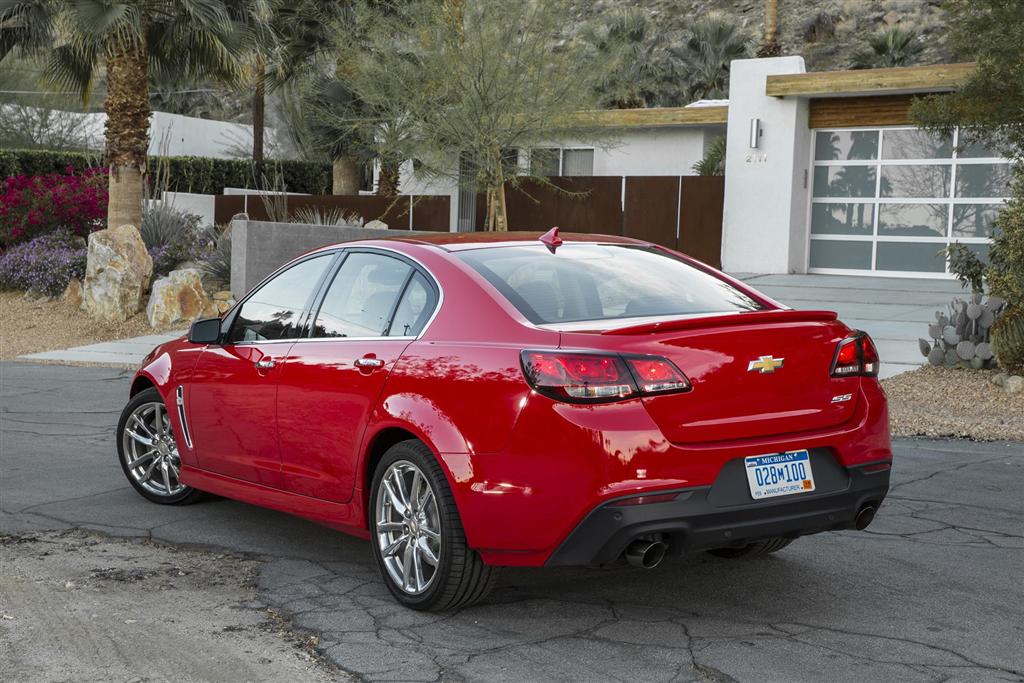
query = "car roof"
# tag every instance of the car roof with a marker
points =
(460, 241)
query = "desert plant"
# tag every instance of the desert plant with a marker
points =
(966, 266)
(314, 215)
(713, 162)
(216, 259)
(171, 235)
(961, 335)
(887, 48)
(34, 205)
(43, 265)
(1008, 341)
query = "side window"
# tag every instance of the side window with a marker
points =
(275, 310)
(360, 300)
(414, 309)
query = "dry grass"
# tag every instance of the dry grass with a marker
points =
(945, 402)
(28, 325)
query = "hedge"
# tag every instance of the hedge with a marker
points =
(184, 174)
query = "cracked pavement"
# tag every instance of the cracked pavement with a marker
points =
(932, 591)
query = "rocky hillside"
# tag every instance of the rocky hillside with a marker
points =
(825, 32)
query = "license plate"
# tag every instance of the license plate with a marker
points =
(779, 474)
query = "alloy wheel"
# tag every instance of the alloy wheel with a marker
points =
(150, 452)
(408, 527)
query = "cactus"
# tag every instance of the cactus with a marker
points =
(1008, 341)
(961, 335)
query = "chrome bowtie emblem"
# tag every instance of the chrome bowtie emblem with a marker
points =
(765, 364)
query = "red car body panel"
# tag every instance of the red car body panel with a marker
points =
(524, 468)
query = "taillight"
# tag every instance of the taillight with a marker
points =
(577, 377)
(856, 356)
(657, 375)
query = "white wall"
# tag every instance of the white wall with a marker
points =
(766, 196)
(652, 151)
(176, 135)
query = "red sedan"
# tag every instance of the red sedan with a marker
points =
(469, 401)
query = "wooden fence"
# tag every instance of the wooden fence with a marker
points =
(419, 212)
(679, 212)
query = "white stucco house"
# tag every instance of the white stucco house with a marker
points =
(825, 171)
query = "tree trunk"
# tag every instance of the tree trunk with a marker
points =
(259, 103)
(387, 181)
(346, 175)
(770, 44)
(127, 131)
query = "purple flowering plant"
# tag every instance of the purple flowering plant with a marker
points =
(43, 265)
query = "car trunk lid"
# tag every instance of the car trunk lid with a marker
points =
(755, 374)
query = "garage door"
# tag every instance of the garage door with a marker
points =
(887, 201)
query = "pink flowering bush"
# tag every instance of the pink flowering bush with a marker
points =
(36, 205)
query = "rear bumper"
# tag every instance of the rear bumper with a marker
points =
(708, 517)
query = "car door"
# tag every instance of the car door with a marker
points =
(232, 397)
(374, 306)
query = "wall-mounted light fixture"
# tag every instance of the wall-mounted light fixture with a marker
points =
(755, 133)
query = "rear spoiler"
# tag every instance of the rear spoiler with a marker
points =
(747, 318)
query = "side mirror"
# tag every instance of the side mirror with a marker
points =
(205, 331)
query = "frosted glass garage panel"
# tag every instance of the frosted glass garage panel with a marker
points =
(916, 144)
(845, 145)
(844, 181)
(842, 218)
(840, 254)
(974, 220)
(925, 220)
(919, 181)
(983, 180)
(918, 257)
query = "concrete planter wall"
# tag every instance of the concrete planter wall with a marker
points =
(258, 248)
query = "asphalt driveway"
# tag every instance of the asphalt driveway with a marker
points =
(932, 591)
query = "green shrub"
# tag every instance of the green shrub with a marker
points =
(183, 174)
(1008, 341)
(171, 236)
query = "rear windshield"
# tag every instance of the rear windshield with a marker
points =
(602, 282)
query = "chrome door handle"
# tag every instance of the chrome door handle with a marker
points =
(369, 363)
(265, 363)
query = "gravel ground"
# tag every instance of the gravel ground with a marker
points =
(80, 606)
(29, 324)
(945, 402)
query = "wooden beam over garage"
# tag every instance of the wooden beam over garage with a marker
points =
(656, 117)
(901, 80)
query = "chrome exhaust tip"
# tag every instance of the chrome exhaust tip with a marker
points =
(864, 517)
(646, 554)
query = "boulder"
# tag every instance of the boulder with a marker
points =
(223, 295)
(377, 225)
(999, 379)
(117, 273)
(73, 293)
(176, 299)
(1014, 385)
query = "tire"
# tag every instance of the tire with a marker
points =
(459, 577)
(148, 477)
(772, 545)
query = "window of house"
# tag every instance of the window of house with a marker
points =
(577, 162)
(891, 199)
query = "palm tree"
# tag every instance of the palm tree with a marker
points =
(770, 42)
(135, 42)
(709, 46)
(888, 48)
(643, 68)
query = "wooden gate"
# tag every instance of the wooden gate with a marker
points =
(679, 212)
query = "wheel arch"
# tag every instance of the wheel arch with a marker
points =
(140, 384)
(377, 441)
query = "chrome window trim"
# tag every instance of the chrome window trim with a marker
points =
(340, 249)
